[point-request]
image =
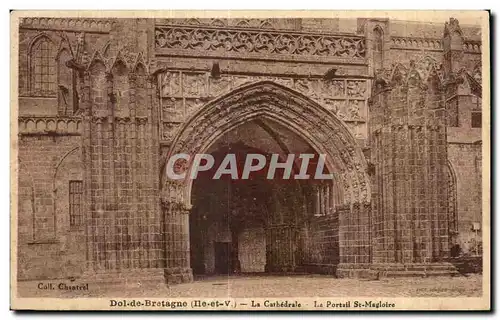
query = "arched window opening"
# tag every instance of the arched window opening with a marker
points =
(42, 68)
(141, 91)
(98, 91)
(121, 86)
(378, 44)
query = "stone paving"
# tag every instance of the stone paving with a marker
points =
(272, 286)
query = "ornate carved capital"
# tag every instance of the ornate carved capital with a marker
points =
(122, 120)
(98, 119)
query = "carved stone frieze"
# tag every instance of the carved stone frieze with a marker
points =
(219, 86)
(334, 88)
(171, 84)
(194, 84)
(237, 41)
(358, 129)
(173, 109)
(194, 104)
(189, 84)
(356, 89)
(185, 92)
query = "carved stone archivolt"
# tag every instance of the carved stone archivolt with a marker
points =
(185, 92)
(278, 103)
(259, 42)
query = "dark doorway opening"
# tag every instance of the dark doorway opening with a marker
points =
(260, 225)
(222, 257)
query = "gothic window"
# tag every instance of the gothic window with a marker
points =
(476, 119)
(98, 86)
(42, 68)
(141, 91)
(120, 85)
(75, 203)
(378, 46)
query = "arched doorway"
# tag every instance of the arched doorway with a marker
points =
(343, 201)
(259, 224)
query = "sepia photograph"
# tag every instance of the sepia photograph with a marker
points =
(233, 160)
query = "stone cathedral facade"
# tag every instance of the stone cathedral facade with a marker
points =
(394, 105)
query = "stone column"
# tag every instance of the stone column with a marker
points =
(85, 105)
(354, 239)
(177, 257)
(125, 224)
(408, 138)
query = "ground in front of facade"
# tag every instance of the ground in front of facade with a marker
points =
(247, 286)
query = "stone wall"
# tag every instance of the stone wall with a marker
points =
(48, 245)
(109, 129)
(322, 243)
(466, 162)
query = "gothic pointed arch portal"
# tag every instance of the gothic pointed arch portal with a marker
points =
(321, 129)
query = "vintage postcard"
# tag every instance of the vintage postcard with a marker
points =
(239, 160)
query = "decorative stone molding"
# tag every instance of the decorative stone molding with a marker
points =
(187, 84)
(233, 22)
(430, 44)
(50, 126)
(472, 46)
(170, 39)
(69, 24)
(416, 43)
(131, 60)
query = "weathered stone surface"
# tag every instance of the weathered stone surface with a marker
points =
(116, 97)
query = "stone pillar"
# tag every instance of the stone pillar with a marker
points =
(151, 95)
(177, 257)
(408, 138)
(458, 97)
(87, 165)
(354, 240)
(125, 226)
(453, 42)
